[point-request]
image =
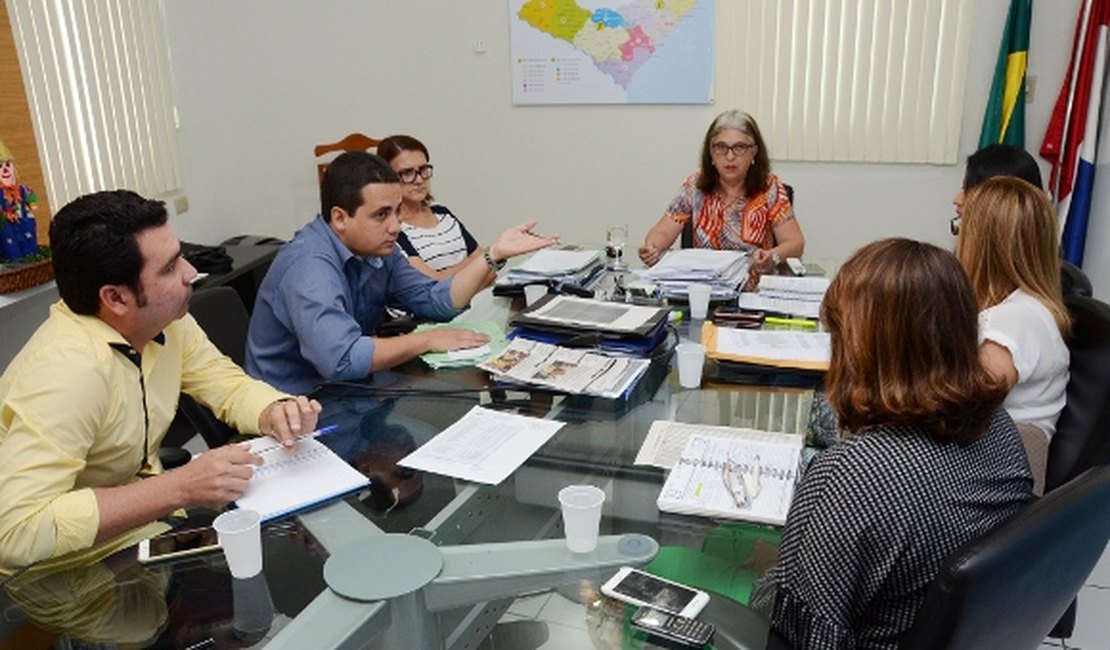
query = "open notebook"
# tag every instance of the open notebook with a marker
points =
(292, 480)
(749, 475)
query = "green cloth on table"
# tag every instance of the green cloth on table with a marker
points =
(497, 343)
(733, 556)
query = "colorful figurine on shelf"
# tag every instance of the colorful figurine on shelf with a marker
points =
(17, 227)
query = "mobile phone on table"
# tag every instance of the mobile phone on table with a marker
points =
(634, 586)
(687, 631)
(178, 544)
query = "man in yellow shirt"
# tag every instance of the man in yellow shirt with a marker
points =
(85, 404)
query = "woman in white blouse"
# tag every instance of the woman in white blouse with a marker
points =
(1007, 243)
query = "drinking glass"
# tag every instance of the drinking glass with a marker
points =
(616, 236)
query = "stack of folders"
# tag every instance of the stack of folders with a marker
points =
(611, 328)
(724, 271)
(787, 295)
(554, 267)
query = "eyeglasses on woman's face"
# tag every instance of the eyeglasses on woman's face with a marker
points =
(737, 149)
(410, 175)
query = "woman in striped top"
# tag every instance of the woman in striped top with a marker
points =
(437, 243)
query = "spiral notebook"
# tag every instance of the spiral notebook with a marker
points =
(749, 478)
(292, 480)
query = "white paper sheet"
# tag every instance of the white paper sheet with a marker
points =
(782, 345)
(484, 446)
(666, 439)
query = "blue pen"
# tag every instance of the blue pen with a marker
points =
(322, 431)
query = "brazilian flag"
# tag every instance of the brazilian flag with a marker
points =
(1004, 121)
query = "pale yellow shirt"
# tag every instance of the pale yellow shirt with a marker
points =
(71, 419)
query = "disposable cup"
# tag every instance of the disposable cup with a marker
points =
(699, 300)
(691, 358)
(581, 506)
(533, 292)
(240, 535)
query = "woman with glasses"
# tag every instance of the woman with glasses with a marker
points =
(929, 460)
(1008, 246)
(733, 202)
(436, 242)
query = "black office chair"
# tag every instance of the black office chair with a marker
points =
(220, 313)
(1009, 587)
(687, 236)
(1082, 438)
(1073, 281)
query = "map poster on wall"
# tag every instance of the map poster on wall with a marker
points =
(612, 51)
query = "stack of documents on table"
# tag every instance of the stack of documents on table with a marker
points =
(567, 370)
(779, 348)
(554, 266)
(586, 322)
(469, 356)
(723, 271)
(731, 473)
(787, 295)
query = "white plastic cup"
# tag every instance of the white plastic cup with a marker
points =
(581, 506)
(691, 359)
(240, 535)
(699, 300)
(533, 292)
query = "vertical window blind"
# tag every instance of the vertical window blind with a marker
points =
(848, 80)
(100, 89)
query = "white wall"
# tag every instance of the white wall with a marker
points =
(260, 82)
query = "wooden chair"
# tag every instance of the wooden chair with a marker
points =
(353, 142)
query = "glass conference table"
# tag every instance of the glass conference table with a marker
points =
(483, 545)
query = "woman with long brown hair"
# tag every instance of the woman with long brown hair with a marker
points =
(1008, 244)
(929, 459)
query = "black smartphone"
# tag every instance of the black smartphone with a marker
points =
(687, 631)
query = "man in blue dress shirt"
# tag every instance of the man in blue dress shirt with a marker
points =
(328, 288)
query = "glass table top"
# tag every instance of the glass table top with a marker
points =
(189, 604)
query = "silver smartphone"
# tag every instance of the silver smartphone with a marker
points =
(634, 586)
(178, 544)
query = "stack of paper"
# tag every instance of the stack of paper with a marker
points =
(723, 271)
(786, 294)
(469, 356)
(775, 348)
(553, 266)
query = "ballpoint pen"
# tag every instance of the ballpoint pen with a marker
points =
(322, 431)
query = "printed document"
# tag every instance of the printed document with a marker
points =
(484, 446)
(666, 440)
(782, 348)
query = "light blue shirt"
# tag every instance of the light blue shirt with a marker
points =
(319, 304)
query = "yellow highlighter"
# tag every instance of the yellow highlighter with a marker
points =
(791, 323)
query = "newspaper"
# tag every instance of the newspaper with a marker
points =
(567, 370)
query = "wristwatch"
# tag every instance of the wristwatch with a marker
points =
(493, 266)
(775, 257)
